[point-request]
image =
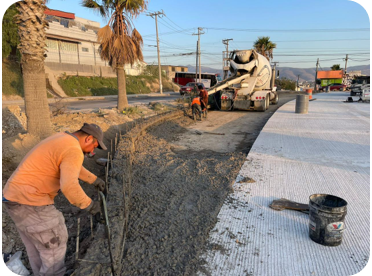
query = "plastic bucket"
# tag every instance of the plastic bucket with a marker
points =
(309, 92)
(327, 214)
(302, 104)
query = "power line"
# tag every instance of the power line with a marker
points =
(180, 28)
(293, 30)
(166, 24)
(166, 33)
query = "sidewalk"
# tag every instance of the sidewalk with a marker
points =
(295, 156)
(73, 99)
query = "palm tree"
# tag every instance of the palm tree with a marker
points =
(31, 30)
(120, 43)
(336, 67)
(264, 46)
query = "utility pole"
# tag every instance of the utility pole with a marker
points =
(196, 66)
(225, 58)
(157, 43)
(347, 57)
(198, 52)
(273, 77)
(316, 74)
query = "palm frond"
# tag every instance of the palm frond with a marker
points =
(104, 34)
(133, 7)
(101, 9)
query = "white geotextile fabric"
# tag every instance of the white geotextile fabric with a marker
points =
(295, 156)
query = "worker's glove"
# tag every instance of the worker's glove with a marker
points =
(94, 207)
(99, 184)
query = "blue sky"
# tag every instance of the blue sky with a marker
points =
(302, 30)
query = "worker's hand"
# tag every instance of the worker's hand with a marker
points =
(94, 207)
(99, 184)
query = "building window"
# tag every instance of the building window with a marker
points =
(173, 69)
(182, 69)
(84, 49)
(52, 44)
(68, 47)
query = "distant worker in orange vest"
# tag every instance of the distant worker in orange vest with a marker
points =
(203, 94)
(196, 107)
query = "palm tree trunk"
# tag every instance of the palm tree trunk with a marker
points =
(31, 30)
(36, 103)
(122, 89)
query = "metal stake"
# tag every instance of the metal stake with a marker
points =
(77, 239)
(107, 230)
(91, 226)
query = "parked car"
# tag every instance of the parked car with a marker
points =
(189, 87)
(334, 87)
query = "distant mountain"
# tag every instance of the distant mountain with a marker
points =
(306, 74)
(205, 69)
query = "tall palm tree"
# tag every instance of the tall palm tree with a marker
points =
(265, 47)
(31, 30)
(120, 43)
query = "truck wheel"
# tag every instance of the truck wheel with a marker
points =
(260, 106)
(267, 100)
(276, 100)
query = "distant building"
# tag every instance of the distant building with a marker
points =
(170, 70)
(349, 76)
(72, 46)
(330, 77)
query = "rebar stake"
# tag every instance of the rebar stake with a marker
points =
(77, 239)
(91, 226)
(107, 230)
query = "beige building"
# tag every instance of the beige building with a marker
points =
(73, 49)
(171, 70)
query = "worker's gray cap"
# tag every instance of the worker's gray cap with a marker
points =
(96, 132)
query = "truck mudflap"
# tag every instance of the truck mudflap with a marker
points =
(242, 104)
(226, 104)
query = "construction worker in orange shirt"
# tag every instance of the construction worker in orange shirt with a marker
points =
(28, 196)
(196, 106)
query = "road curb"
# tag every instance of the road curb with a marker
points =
(90, 98)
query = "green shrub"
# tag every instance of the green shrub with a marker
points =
(135, 110)
(285, 84)
(12, 79)
(75, 86)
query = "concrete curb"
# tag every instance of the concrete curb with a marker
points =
(90, 98)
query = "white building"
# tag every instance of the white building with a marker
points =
(73, 49)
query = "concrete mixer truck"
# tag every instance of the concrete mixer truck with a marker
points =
(250, 86)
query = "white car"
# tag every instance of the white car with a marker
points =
(365, 93)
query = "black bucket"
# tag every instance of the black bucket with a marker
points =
(327, 214)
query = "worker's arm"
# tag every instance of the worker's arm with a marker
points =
(70, 169)
(87, 176)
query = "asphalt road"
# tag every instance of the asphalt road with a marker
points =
(230, 131)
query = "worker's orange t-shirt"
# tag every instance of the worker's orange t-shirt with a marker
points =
(53, 164)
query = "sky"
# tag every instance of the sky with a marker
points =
(302, 30)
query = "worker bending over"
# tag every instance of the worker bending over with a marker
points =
(52, 165)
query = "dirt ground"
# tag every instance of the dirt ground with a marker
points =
(181, 179)
(177, 194)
